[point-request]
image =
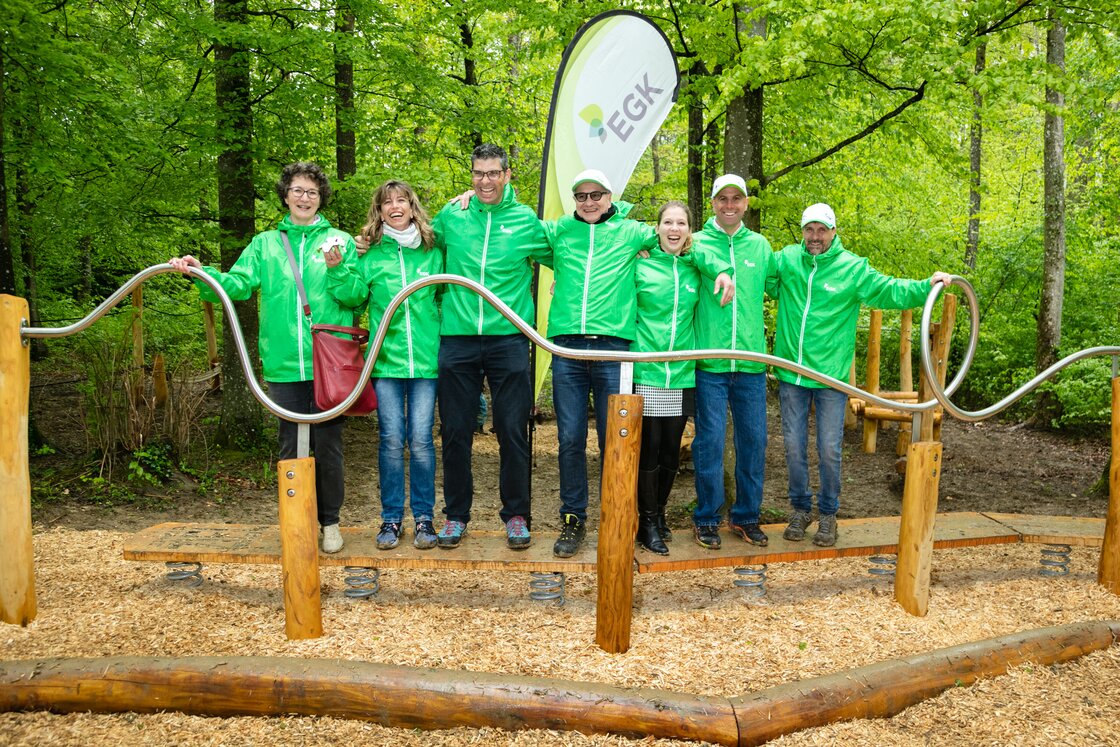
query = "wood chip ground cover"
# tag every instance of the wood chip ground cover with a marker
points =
(692, 632)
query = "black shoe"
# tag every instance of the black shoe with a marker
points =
(708, 537)
(650, 538)
(750, 533)
(571, 537)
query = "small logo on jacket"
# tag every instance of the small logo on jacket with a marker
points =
(748, 263)
(503, 229)
(689, 288)
(829, 288)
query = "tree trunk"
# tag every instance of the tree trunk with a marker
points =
(1054, 228)
(345, 155)
(976, 132)
(742, 146)
(7, 258)
(241, 414)
(695, 170)
(25, 208)
(470, 76)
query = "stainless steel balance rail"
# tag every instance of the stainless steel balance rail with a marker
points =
(941, 396)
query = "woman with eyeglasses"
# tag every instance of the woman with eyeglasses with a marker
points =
(265, 265)
(399, 249)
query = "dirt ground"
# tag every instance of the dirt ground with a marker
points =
(989, 466)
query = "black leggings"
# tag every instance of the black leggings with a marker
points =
(661, 442)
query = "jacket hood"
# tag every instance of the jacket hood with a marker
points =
(287, 225)
(509, 197)
(710, 226)
(832, 252)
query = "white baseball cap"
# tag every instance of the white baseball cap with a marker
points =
(592, 175)
(729, 180)
(819, 213)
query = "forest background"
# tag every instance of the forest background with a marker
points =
(977, 137)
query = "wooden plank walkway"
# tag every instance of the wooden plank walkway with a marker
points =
(486, 550)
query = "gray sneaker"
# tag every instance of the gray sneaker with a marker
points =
(826, 531)
(798, 523)
(425, 537)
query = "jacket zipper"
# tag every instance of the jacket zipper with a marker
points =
(805, 318)
(673, 323)
(407, 313)
(587, 283)
(734, 308)
(299, 313)
(482, 270)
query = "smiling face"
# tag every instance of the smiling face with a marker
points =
(301, 205)
(673, 229)
(729, 206)
(396, 212)
(489, 179)
(590, 209)
(818, 237)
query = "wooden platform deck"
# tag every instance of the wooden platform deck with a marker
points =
(246, 543)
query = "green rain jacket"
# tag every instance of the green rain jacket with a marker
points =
(818, 306)
(594, 266)
(411, 346)
(668, 289)
(738, 325)
(494, 245)
(285, 331)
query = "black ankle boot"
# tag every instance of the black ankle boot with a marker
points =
(665, 478)
(649, 536)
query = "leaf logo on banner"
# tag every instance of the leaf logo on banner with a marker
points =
(593, 115)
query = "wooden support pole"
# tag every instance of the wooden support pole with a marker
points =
(138, 346)
(905, 375)
(299, 548)
(915, 531)
(942, 341)
(850, 412)
(618, 523)
(17, 558)
(159, 380)
(1108, 572)
(874, 335)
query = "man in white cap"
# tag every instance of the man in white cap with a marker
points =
(822, 286)
(722, 383)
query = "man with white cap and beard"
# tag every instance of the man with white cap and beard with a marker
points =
(821, 288)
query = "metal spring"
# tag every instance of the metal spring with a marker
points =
(882, 565)
(751, 579)
(361, 582)
(184, 573)
(547, 587)
(1055, 560)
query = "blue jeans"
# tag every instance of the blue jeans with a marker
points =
(830, 406)
(463, 362)
(572, 382)
(406, 410)
(746, 395)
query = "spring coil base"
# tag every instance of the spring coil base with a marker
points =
(882, 566)
(547, 587)
(751, 579)
(1055, 560)
(361, 582)
(184, 573)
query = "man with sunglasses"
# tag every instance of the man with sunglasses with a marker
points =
(493, 241)
(594, 256)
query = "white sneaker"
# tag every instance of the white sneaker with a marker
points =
(332, 538)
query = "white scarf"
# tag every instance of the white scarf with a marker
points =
(409, 238)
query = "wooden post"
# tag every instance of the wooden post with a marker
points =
(299, 548)
(915, 531)
(942, 340)
(17, 559)
(618, 523)
(211, 343)
(1108, 573)
(850, 411)
(159, 380)
(905, 375)
(870, 425)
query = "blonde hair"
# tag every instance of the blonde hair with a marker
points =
(684, 208)
(373, 228)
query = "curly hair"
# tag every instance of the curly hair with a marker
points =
(312, 171)
(373, 228)
(688, 219)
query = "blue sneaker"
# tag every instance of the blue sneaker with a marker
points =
(517, 533)
(389, 535)
(451, 534)
(425, 538)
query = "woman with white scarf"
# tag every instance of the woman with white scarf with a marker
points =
(400, 244)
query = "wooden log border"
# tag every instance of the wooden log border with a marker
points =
(406, 697)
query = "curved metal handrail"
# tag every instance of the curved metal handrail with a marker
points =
(942, 395)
